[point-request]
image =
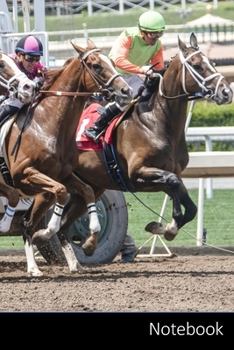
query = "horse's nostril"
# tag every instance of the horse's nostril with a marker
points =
(226, 92)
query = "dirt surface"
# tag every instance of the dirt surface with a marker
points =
(194, 279)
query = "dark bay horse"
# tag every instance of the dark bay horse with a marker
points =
(14, 83)
(149, 144)
(40, 146)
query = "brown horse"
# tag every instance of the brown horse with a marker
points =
(14, 83)
(149, 150)
(40, 145)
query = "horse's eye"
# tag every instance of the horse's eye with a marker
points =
(1, 66)
(97, 67)
(197, 68)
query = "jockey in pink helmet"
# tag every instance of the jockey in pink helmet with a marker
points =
(28, 52)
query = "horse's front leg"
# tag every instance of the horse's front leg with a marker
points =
(83, 194)
(188, 204)
(179, 195)
(170, 184)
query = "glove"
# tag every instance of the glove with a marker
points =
(147, 71)
(2, 98)
(38, 86)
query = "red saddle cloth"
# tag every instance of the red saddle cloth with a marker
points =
(88, 118)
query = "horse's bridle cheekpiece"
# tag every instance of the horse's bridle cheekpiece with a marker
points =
(104, 90)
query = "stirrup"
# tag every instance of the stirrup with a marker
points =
(96, 139)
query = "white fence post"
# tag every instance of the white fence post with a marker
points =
(121, 7)
(209, 182)
(200, 211)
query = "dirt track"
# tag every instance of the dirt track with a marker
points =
(193, 280)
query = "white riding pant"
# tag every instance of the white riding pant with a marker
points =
(15, 103)
(135, 81)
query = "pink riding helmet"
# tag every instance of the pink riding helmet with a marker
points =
(30, 45)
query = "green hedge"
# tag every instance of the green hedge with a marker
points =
(208, 113)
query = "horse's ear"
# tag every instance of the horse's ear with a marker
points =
(181, 44)
(193, 41)
(91, 44)
(78, 49)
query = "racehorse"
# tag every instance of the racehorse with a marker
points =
(40, 146)
(16, 84)
(148, 149)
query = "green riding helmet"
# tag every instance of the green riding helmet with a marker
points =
(151, 21)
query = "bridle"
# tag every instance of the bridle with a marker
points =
(103, 88)
(7, 84)
(202, 82)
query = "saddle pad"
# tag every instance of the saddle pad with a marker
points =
(88, 118)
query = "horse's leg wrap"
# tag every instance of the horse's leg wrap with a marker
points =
(94, 224)
(52, 228)
(5, 223)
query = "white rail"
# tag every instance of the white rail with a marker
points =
(207, 164)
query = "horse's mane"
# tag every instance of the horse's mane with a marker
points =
(51, 75)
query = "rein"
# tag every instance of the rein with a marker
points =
(196, 76)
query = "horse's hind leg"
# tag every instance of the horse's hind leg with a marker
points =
(73, 263)
(13, 199)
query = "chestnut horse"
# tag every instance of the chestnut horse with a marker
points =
(149, 146)
(14, 83)
(40, 146)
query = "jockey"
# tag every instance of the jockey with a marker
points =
(132, 50)
(27, 56)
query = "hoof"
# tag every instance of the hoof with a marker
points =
(79, 270)
(88, 249)
(35, 273)
(38, 238)
(156, 228)
(169, 236)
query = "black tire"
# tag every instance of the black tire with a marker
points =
(113, 217)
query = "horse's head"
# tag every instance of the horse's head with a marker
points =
(199, 75)
(100, 74)
(15, 81)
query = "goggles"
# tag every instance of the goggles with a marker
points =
(154, 35)
(31, 59)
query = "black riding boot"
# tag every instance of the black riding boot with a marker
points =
(7, 111)
(105, 118)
